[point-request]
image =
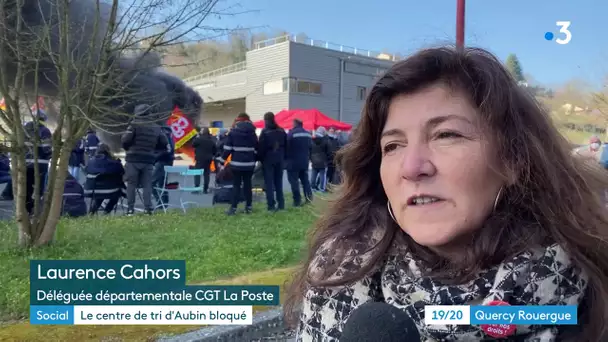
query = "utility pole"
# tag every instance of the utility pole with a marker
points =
(460, 5)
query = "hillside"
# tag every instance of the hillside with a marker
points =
(576, 113)
(185, 60)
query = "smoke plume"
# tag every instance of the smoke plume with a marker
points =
(139, 79)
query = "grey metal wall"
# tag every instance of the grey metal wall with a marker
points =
(323, 65)
(265, 65)
(315, 64)
(358, 74)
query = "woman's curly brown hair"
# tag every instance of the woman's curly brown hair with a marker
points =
(553, 197)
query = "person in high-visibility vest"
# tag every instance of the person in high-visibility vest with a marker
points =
(221, 138)
(227, 162)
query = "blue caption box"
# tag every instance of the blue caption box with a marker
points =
(524, 315)
(52, 314)
(134, 282)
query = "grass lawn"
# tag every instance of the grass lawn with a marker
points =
(256, 249)
(577, 137)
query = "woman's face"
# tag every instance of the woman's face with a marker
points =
(436, 166)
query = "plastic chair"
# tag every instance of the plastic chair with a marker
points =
(92, 193)
(190, 174)
(169, 170)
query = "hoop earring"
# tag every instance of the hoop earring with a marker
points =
(498, 197)
(390, 211)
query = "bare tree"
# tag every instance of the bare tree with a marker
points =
(92, 59)
(566, 100)
(574, 93)
(600, 100)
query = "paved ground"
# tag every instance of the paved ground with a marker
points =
(200, 200)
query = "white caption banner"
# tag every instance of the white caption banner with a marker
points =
(162, 315)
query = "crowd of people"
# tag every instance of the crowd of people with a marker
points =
(237, 155)
(42, 159)
(276, 151)
(149, 148)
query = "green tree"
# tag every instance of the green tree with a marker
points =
(514, 67)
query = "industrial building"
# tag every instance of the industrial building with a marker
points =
(283, 73)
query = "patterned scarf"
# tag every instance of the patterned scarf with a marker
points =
(540, 277)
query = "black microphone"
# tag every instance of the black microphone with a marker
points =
(379, 322)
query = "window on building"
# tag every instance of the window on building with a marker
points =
(303, 87)
(289, 84)
(315, 88)
(295, 85)
(307, 87)
(361, 93)
(273, 87)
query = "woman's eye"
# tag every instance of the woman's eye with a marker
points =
(448, 135)
(389, 148)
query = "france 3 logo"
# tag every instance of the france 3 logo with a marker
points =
(564, 30)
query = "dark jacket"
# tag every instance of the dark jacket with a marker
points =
(104, 177)
(224, 177)
(334, 146)
(73, 198)
(167, 156)
(5, 163)
(90, 144)
(221, 141)
(5, 168)
(242, 143)
(144, 140)
(205, 148)
(273, 143)
(320, 153)
(299, 143)
(77, 154)
(45, 150)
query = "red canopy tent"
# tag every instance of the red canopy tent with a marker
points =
(311, 118)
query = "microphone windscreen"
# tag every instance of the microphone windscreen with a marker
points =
(379, 322)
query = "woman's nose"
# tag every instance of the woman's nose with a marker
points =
(416, 163)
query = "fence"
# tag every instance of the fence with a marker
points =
(241, 66)
(218, 72)
(326, 45)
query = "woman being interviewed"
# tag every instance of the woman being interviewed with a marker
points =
(458, 190)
